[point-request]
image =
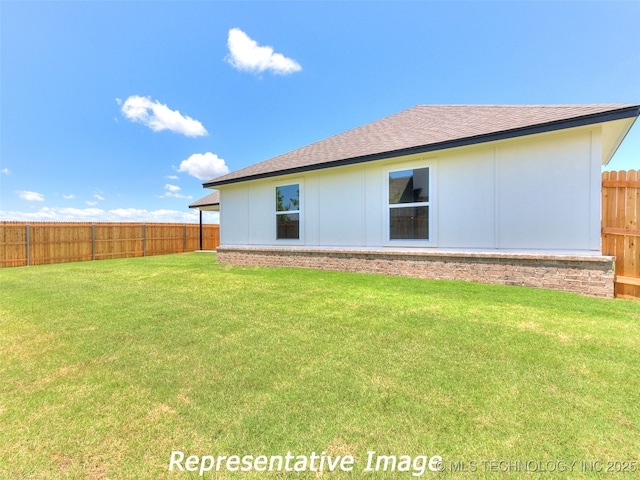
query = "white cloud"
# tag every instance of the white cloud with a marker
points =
(98, 197)
(204, 166)
(59, 214)
(172, 177)
(159, 117)
(245, 54)
(91, 203)
(5, 171)
(174, 195)
(137, 215)
(172, 192)
(68, 197)
(31, 196)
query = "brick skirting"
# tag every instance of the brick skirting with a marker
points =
(589, 275)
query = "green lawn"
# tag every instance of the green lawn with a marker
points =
(108, 367)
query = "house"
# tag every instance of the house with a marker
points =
(489, 193)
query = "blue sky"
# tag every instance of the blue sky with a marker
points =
(116, 110)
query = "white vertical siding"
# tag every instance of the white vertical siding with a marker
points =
(375, 207)
(310, 203)
(340, 217)
(595, 191)
(466, 200)
(540, 192)
(234, 215)
(262, 220)
(544, 193)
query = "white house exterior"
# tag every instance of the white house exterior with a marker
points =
(469, 192)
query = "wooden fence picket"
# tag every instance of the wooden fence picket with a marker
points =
(621, 228)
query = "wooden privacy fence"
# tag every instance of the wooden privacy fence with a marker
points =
(620, 229)
(39, 243)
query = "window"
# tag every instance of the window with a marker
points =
(409, 204)
(288, 212)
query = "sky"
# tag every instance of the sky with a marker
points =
(120, 110)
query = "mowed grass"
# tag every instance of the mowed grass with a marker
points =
(107, 367)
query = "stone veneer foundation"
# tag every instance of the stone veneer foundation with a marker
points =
(588, 275)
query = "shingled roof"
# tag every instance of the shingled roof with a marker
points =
(426, 128)
(211, 200)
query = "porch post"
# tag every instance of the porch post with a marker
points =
(200, 228)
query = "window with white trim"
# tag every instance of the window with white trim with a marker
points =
(409, 204)
(288, 212)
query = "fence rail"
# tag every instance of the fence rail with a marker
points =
(38, 243)
(621, 229)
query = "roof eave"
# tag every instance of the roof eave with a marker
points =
(207, 207)
(618, 114)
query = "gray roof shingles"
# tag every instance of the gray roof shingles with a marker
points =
(429, 127)
(208, 201)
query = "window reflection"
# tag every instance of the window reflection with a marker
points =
(409, 186)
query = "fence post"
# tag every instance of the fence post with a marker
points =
(93, 241)
(144, 240)
(184, 238)
(27, 246)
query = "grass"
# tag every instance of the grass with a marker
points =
(107, 367)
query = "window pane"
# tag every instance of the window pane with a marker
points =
(409, 186)
(409, 223)
(288, 198)
(288, 225)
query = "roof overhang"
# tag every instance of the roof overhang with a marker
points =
(613, 133)
(208, 208)
(210, 203)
